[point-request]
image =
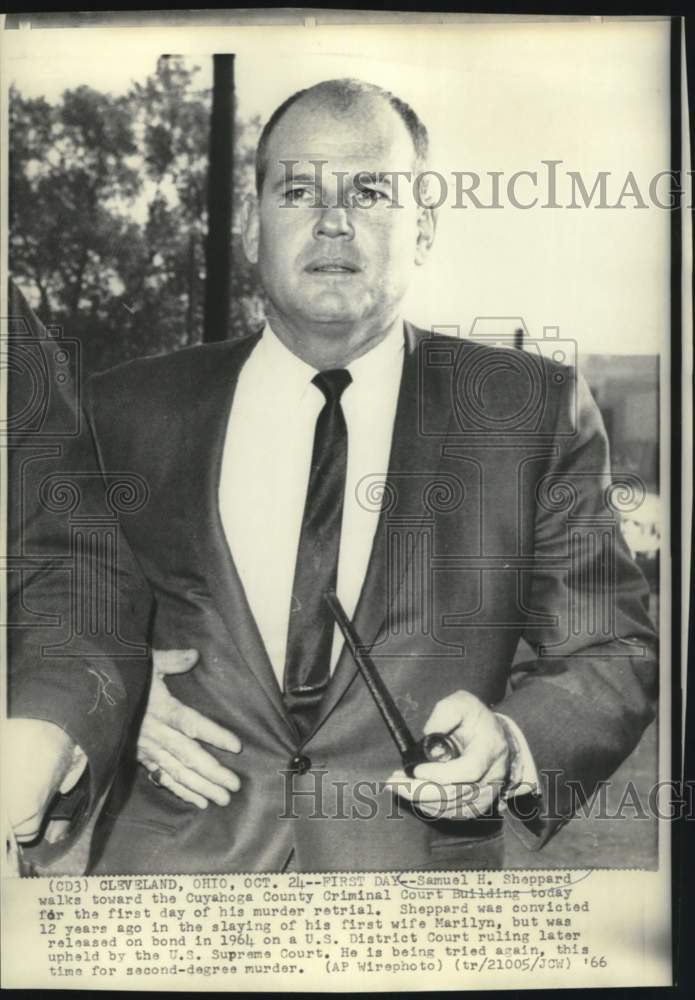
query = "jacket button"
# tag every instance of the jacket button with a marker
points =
(300, 764)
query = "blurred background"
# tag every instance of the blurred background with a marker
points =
(124, 203)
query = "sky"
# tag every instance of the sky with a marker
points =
(497, 99)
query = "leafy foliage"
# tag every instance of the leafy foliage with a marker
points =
(108, 214)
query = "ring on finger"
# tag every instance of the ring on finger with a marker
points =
(155, 777)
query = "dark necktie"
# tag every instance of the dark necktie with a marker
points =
(310, 632)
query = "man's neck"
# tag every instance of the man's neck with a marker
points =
(330, 346)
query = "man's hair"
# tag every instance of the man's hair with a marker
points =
(341, 95)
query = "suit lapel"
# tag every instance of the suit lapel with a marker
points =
(206, 440)
(413, 454)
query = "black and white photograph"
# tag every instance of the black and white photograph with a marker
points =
(337, 362)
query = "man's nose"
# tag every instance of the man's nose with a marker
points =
(334, 220)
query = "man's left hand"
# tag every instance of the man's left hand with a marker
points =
(171, 734)
(467, 786)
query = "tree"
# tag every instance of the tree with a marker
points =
(108, 214)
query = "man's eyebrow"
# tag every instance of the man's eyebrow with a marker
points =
(375, 177)
(295, 178)
(312, 177)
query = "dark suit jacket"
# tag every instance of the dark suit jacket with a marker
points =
(495, 526)
(83, 670)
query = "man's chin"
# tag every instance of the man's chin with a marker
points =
(333, 320)
(333, 313)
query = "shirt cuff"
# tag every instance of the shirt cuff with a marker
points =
(523, 775)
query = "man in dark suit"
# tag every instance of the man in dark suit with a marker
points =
(78, 671)
(455, 496)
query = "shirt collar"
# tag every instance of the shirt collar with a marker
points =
(285, 370)
(385, 356)
(296, 374)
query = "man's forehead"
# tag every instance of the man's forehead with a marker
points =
(363, 136)
(373, 156)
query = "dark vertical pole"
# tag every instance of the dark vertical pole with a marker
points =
(519, 339)
(218, 248)
(190, 309)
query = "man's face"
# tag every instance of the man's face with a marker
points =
(334, 253)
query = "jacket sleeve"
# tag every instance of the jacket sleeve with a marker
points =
(78, 606)
(586, 699)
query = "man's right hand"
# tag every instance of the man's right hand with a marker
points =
(39, 759)
(169, 735)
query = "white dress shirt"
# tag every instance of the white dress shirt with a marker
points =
(265, 474)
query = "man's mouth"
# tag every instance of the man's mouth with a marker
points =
(332, 267)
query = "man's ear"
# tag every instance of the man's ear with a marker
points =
(250, 227)
(426, 228)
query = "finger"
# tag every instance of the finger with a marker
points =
(460, 801)
(27, 830)
(470, 767)
(189, 753)
(166, 781)
(198, 727)
(433, 800)
(431, 811)
(400, 784)
(470, 808)
(477, 758)
(191, 779)
(174, 661)
(398, 780)
(419, 791)
(143, 753)
(459, 708)
(464, 801)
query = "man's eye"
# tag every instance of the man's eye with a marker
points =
(366, 197)
(299, 194)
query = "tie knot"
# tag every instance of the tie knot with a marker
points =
(333, 383)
